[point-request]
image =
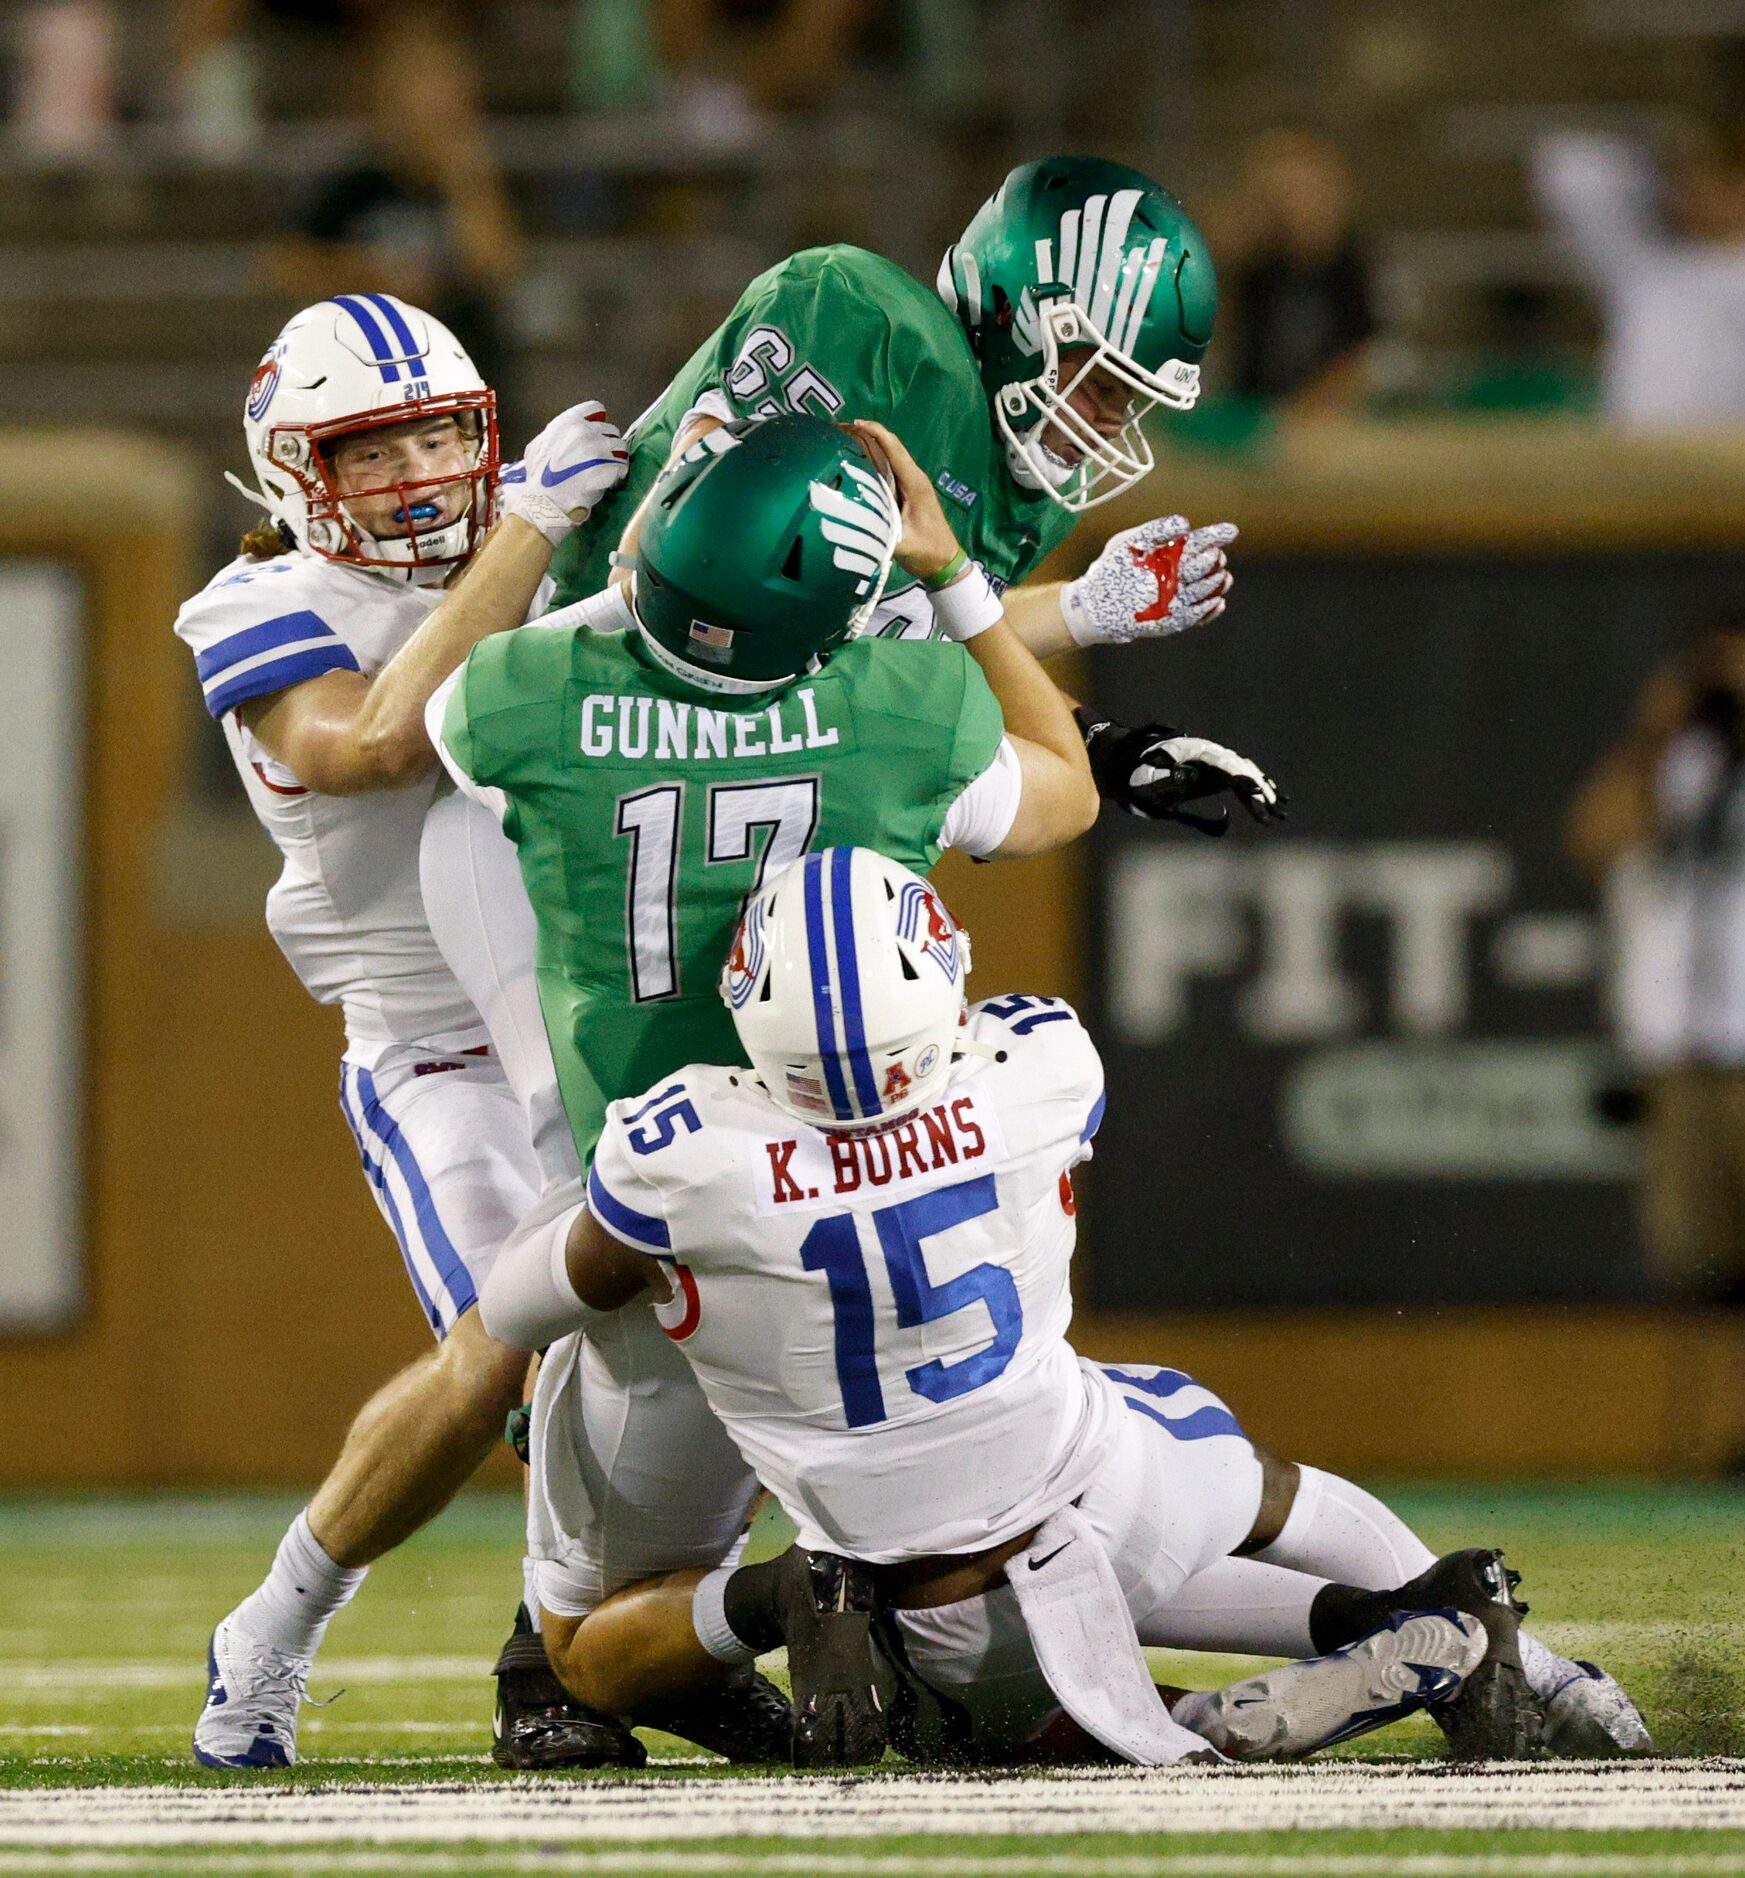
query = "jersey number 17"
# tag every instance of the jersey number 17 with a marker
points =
(652, 821)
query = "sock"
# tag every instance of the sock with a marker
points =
(1343, 1613)
(709, 1620)
(290, 1611)
(1340, 1532)
(1238, 1605)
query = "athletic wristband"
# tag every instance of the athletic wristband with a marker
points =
(949, 572)
(967, 607)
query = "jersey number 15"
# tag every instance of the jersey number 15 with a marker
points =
(833, 1247)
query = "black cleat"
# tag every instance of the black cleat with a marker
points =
(539, 1725)
(1494, 1716)
(827, 1606)
(748, 1721)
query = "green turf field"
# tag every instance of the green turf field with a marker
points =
(105, 1608)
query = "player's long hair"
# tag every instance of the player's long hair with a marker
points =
(266, 541)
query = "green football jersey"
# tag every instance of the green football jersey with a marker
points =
(843, 333)
(645, 815)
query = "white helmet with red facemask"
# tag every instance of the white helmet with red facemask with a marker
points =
(358, 362)
(846, 987)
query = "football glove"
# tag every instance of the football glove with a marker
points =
(1154, 771)
(1160, 577)
(577, 458)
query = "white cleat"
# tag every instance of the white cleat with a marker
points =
(1589, 1717)
(253, 1693)
(1416, 1659)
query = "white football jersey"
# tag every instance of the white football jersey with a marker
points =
(880, 1319)
(346, 909)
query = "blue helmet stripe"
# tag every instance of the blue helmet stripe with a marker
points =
(866, 1086)
(416, 368)
(823, 1011)
(372, 332)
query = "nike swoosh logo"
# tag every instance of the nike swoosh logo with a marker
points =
(1036, 1564)
(551, 478)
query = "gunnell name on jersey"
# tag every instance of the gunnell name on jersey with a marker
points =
(674, 730)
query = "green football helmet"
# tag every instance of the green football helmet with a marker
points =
(765, 545)
(1076, 252)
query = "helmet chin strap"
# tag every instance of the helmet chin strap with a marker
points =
(1053, 473)
(445, 545)
(248, 494)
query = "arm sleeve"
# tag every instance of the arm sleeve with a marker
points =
(528, 1301)
(1598, 194)
(982, 817)
(445, 719)
(238, 657)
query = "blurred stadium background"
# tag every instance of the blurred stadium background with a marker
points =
(1368, 1169)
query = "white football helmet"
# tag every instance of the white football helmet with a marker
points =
(352, 363)
(846, 986)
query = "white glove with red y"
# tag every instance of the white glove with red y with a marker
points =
(1160, 577)
(578, 458)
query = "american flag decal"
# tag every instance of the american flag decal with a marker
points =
(714, 643)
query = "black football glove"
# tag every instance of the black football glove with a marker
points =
(1154, 771)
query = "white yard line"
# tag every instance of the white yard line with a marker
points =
(1637, 1796)
(662, 1864)
(70, 1680)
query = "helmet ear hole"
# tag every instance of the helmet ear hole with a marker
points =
(791, 566)
(909, 971)
(763, 996)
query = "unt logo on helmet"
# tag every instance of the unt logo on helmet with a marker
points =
(921, 920)
(861, 527)
(1110, 283)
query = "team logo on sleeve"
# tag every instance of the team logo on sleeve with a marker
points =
(923, 922)
(745, 963)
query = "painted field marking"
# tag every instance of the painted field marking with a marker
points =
(1578, 1797)
(663, 1864)
(61, 1678)
(29, 1677)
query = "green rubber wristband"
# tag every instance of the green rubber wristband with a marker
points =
(949, 572)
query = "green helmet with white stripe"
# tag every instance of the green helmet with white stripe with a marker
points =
(766, 545)
(1073, 253)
